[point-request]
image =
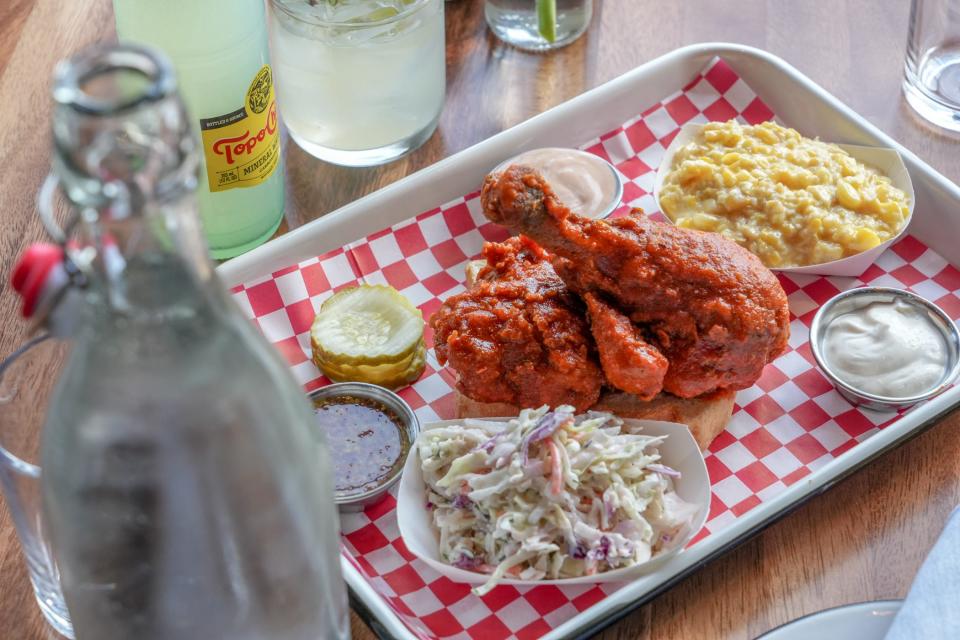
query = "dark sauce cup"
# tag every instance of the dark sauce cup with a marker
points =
(406, 420)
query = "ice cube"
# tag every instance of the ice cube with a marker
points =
(343, 11)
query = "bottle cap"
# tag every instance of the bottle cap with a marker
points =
(38, 274)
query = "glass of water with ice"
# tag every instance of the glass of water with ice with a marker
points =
(932, 80)
(359, 82)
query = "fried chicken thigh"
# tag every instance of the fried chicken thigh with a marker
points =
(518, 335)
(704, 303)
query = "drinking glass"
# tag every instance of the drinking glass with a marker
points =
(27, 380)
(932, 78)
(358, 83)
(516, 22)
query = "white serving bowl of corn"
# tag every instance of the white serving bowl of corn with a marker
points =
(800, 205)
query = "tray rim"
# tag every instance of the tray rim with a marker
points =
(290, 248)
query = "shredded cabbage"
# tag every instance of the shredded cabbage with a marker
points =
(549, 495)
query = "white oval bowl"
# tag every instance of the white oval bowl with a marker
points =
(887, 161)
(679, 451)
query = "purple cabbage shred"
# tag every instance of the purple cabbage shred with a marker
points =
(578, 551)
(664, 470)
(544, 428)
(489, 444)
(467, 562)
(601, 552)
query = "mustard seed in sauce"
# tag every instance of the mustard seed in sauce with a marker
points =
(367, 441)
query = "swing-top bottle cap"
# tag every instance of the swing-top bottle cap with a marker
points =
(38, 275)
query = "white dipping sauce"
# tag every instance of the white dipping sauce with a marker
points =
(583, 182)
(889, 349)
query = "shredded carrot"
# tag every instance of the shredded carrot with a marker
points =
(556, 472)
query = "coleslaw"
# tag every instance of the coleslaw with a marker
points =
(549, 495)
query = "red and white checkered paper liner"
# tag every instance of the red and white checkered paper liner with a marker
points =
(790, 423)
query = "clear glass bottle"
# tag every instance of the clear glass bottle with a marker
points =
(187, 495)
(219, 51)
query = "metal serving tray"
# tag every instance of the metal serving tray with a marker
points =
(798, 102)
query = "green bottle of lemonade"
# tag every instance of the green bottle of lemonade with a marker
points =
(219, 50)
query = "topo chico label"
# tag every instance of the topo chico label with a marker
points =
(242, 148)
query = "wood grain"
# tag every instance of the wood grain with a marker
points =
(863, 540)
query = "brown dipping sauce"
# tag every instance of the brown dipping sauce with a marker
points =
(367, 441)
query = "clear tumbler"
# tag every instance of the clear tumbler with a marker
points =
(27, 379)
(520, 22)
(932, 79)
(359, 83)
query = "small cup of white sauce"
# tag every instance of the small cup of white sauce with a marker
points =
(885, 348)
(586, 183)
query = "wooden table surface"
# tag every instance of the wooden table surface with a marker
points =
(864, 540)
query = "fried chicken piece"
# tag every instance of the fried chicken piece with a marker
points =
(629, 362)
(707, 304)
(518, 335)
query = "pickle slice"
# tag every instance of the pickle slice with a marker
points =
(369, 325)
(387, 368)
(386, 375)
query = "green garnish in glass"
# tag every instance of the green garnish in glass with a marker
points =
(547, 19)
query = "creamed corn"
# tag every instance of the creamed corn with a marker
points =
(790, 200)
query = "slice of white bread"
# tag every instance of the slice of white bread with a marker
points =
(706, 416)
